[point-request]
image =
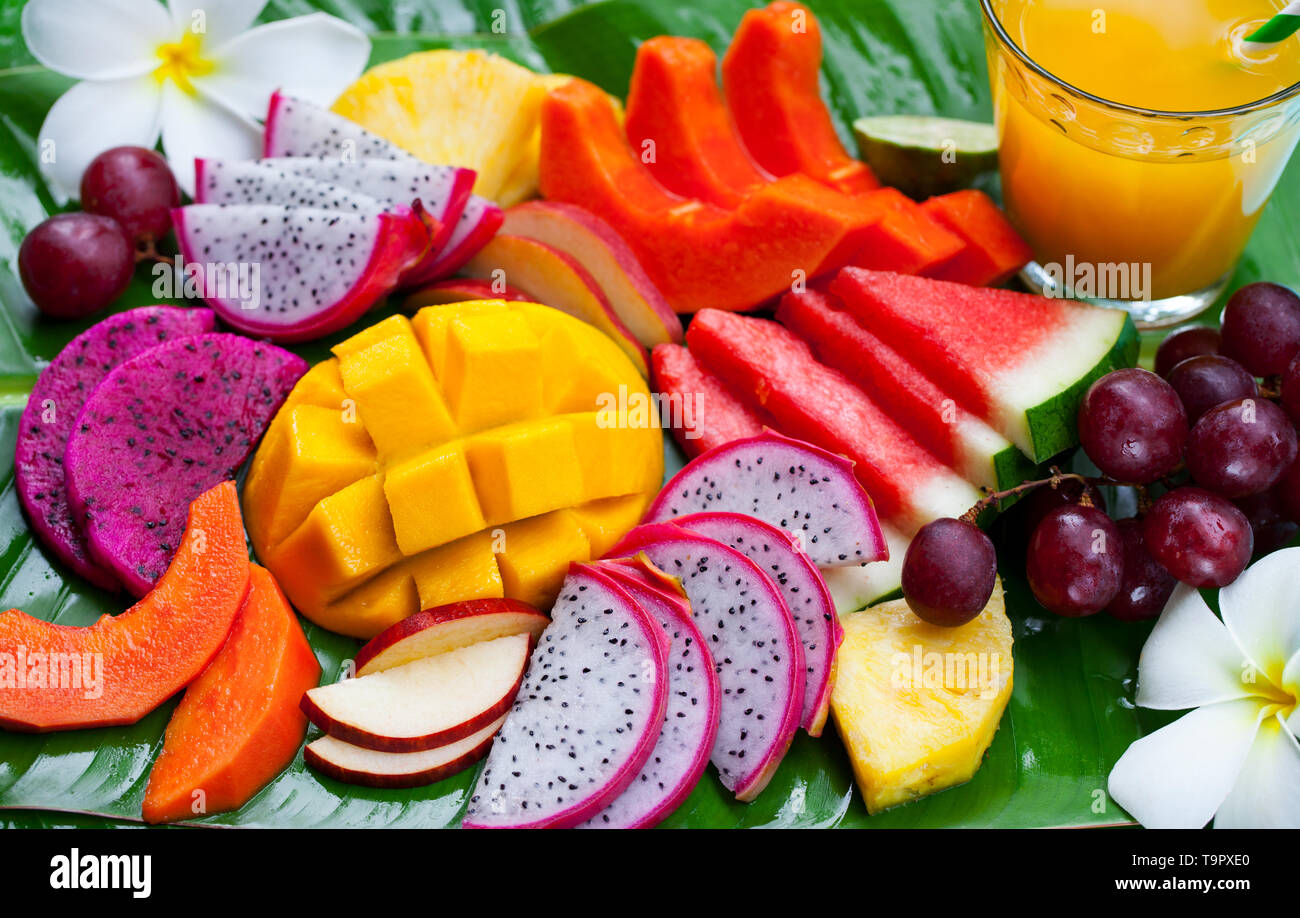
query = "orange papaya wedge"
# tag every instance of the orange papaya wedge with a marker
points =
(56, 677)
(239, 724)
(992, 250)
(770, 75)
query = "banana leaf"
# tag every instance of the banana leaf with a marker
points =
(1071, 714)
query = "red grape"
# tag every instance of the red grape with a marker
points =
(1044, 499)
(1210, 380)
(1185, 343)
(1199, 537)
(1241, 447)
(135, 187)
(1133, 426)
(1268, 521)
(1145, 586)
(1261, 328)
(1075, 561)
(1291, 389)
(949, 572)
(73, 265)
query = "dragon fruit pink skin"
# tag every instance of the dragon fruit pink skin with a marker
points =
(793, 485)
(805, 593)
(477, 225)
(587, 716)
(748, 628)
(691, 717)
(161, 429)
(52, 407)
(318, 270)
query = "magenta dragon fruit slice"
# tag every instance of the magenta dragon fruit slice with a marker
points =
(477, 225)
(756, 649)
(52, 407)
(587, 716)
(805, 592)
(441, 190)
(795, 486)
(294, 273)
(157, 432)
(691, 718)
(296, 127)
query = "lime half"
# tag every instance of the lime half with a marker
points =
(922, 155)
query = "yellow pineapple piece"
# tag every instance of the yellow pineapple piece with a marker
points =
(431, 324)
(465, 569)
(606, 521)
(525, 469)
(917, 705)
(309, 454)
(537, 555)
(457, 108)
(432, 499)
(493, 371)
(396, 395)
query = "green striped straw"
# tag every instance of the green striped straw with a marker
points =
(1279, 28)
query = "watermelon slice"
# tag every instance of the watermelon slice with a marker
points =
(775, 371)
(1021, 362)
(993, 250)
(967, 444)
(711, 415)
(854, 588)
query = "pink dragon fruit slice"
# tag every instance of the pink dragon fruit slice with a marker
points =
(295, 273)
(441, 190)
(793, 485)
(691, 718)
(756, 649)
(477, 225)
(805, 593)
(296, 127)
(587, 716)
(52, 407)
(157, 432)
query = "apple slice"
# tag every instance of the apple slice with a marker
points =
(358, 765)
(601, 251)
(446, 628)
(425, 704)
(461, 290)
(558, 281)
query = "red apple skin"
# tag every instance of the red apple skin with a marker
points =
(412, 779)
(511, 616)
(604, 254)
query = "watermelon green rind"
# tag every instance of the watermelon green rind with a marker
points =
(1053, 424)
(1011, 467)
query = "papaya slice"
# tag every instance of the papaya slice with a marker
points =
(770, 75)
(699, 255)
(904, 238)
(992, 249)
(239, 724)
(143, 656)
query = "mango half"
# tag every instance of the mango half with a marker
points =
(473, 451)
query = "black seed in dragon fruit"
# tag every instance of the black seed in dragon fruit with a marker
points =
(157, 432)
(586, 717)
(53, 405)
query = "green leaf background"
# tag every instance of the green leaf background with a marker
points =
(1071, 714)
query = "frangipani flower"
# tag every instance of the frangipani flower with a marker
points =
(192, 72)
(1235, 757)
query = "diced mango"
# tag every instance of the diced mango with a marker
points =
(396, 395)
(606, 521)
(309, 454)
(525, 469)
(578, 364)
(619, 454)
(537, 554)
(395, 326)
(430, 326)
(375, 605)
(465, 569)
(432, 499)
(493, 371)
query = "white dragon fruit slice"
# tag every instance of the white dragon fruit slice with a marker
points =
(793, 485)
(296, 127)
(805, 593)
(477, 225)
(691, 719)
(756, 650)
(294, 273)
(238, 181)
(587, 716)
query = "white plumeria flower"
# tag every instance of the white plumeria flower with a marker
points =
(1233, 759)
(192, 72)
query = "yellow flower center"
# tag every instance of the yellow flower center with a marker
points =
(181, 61)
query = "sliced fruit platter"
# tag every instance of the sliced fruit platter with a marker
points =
(516, 435)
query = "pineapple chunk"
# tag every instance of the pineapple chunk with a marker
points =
(457, 108)
(917, 705)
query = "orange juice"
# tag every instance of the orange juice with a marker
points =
(1093, 174)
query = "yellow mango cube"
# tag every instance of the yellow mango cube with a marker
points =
(432, 500)
(464, 569)
(493, 371)
(377, 604)
(606, 521)
(431, 323)
(537, 555)
(525, 469)
(619, 454)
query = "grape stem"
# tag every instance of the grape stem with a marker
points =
(147, 250)
(995, 497)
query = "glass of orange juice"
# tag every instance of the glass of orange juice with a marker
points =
(1139, 141)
